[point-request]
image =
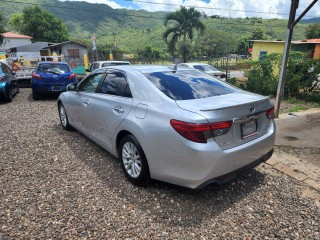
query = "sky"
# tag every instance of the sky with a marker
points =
(227, 8)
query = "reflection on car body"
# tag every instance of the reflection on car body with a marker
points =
(179, 126)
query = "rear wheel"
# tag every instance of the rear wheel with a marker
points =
(35, 95)
(64, 118)
(133, 161)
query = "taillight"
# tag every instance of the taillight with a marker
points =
(37, 76)
(73, 75)
(200, 132)
(270, 113)
(1, 79)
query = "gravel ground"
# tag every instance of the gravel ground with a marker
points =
(60, 185)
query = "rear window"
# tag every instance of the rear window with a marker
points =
(53, 68)
(189, 84)
(205, 68)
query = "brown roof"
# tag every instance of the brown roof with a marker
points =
(15, 35)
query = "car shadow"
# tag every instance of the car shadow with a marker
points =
(166, 204)
(45, 97)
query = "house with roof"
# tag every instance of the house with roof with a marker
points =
(311, 47)
(11, 39)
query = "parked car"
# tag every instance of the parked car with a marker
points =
(51, 77)
(208, 69)
(100, 64)
(9, 85)
(179, 126)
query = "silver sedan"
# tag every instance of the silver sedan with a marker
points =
(180, 126)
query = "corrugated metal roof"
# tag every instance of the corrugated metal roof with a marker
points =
(15, 35)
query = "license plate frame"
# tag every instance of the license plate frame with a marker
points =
(249, 129)
(56, 88)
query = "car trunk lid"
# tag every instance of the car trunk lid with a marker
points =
(246, 111)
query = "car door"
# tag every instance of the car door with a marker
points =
(80, 102)
(109, 107)
(10, 77)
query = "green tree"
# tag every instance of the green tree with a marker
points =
(1, 29)
(215, 43)
(313, 31)
(181, 26)
(257, 34)
(16, 22)
(243, 45)
(40, 24)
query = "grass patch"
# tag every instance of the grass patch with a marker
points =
(297, 108)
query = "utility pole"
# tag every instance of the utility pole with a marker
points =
(291, 23)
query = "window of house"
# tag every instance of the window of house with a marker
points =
(73, 53)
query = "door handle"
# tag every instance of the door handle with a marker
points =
(86, 102)
(118, 109)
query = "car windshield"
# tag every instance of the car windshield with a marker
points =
(205, 68)
(188, 84)
(54, 68)
(114, 64)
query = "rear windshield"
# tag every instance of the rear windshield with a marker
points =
(205, 68)
(189, 84)
(114, 64)
(53, 68)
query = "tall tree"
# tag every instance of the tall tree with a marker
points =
(181, 26)
(313, 31)
(40, 24)
(1, 29)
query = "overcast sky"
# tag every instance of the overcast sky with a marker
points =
(232, 8)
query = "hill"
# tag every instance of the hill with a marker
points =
(311, 20)
(134, 29)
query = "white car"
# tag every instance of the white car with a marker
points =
(208, 69)
(100, 64)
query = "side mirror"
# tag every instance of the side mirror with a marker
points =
(72, 87)
(87, 70)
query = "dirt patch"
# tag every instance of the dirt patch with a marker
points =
(305, 160)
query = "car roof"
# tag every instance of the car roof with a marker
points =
(111, 61)
(195, 63)
(52, 62)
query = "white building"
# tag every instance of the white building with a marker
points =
(11, 40)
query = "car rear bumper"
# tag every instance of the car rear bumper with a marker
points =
(196, 165)
(48, 88)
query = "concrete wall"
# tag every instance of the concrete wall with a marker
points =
(268, 47)
(14, 42)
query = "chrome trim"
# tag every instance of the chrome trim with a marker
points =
(246, 118)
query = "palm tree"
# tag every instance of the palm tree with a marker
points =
(184, 23)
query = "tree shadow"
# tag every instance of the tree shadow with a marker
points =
(167, 204)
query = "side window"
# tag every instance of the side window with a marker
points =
(116, 84)
(91, 83)
(6, 70)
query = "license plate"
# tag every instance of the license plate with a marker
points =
(56, 88)
(249, 129)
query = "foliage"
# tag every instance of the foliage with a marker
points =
(258, 34)
(215, 43)
(301, 76)
(1, 29)
(150, 52)
(313, 31)
(181, 25)
(40, 24)
(262, 79)
(16, 22)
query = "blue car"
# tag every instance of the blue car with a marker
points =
(9, 84)
(51, 77)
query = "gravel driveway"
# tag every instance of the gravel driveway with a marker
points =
(60, 185)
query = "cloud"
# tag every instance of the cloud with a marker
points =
(226, 8)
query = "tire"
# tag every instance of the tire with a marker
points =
(9, 95)
(64, 118)
(133, 161)
(18, 89)
(35, 95)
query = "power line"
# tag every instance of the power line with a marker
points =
(213, 8)
(133, 15)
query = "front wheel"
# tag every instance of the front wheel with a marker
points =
(64, 118)
(9, 95)
(133, 161)
(35, 95)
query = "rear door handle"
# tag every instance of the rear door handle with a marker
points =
(118, 109)
(86, 102)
